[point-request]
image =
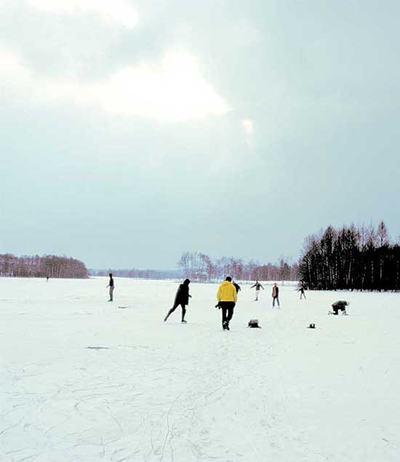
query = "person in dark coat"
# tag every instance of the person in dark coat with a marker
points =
(111, 287)
(302, 290)
(339, 305)
(181, 298)
(275, 295)
(237, 286)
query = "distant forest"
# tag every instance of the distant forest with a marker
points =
(350, 258)
(200, 267)
(360, 258)
(41, 267)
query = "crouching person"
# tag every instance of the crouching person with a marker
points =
(339, 305)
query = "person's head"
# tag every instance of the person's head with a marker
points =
(186, 282)
(110, 275)
(228, 278)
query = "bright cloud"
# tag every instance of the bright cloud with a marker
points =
(118, 11)
(9, 63)
(174, 90)
(12, 72)
(248, 126)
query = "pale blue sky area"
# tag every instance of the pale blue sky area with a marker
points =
(132, 131)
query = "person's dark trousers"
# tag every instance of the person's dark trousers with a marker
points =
(174, 308)
(227, 313)
(111, 292)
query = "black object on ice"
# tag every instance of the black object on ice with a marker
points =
(311, 326)
(97, 348)
(254, 324)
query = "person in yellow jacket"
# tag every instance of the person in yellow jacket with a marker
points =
(227, 297)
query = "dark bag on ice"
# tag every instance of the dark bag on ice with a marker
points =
(253, 323)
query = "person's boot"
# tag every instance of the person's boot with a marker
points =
(183, 321)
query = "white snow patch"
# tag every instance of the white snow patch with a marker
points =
(84, 380)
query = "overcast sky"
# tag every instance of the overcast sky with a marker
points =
(135, 130)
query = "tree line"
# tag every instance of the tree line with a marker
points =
(198, 266)
(361, 258)
(50, 266)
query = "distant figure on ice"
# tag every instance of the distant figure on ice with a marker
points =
(275, 295)
(237, 286)
(302, 291)
(47, 278)
(227, 297)
(181, 298)
(339, 305)
(111, 286)
(258, 286)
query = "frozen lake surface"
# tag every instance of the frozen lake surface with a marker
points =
(85, 380)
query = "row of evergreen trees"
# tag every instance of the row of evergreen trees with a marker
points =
(198, 266)
(360, 258)
(44, 266)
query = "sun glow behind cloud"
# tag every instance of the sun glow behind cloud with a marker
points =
(117, 11)
(248, 126)
(173, 90)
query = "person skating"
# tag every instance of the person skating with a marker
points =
(302, 291)
(111, 287)
(237, 286)
(275, 295)
(227, 297)
(339, 305)
(181, 298)
(258, 286)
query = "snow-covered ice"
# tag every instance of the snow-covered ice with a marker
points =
(87, 380)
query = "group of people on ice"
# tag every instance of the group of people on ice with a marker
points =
(226, 296)
(275, 292)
